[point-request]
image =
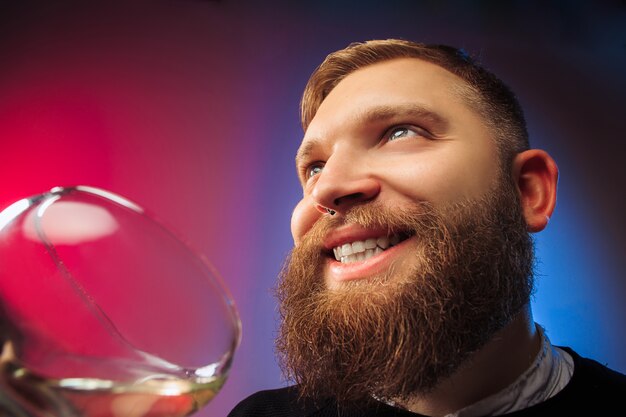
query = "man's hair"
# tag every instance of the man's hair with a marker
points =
(485, 92)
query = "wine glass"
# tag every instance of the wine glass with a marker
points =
(104, 312)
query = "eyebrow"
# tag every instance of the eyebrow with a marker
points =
(306, 150)
(386, 112)
(381, 113)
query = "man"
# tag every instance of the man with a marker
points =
(408, 290)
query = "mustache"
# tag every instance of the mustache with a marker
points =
(376, 215)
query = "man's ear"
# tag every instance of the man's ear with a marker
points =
(536, 176)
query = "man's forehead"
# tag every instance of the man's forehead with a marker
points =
(410, 69)
(400, 86)
(379, 113)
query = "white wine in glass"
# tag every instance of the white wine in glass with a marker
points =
(104, 312)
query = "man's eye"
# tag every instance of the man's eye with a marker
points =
(400, 132)
(313, 170)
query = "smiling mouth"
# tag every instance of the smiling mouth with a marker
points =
(362, 250)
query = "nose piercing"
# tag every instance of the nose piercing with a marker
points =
(331, 212)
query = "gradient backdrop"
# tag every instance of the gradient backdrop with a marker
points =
(190, 108)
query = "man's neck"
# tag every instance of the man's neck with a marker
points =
(494, 367)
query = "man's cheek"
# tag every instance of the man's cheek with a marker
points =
(302, 219)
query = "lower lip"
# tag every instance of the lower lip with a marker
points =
(337, 271)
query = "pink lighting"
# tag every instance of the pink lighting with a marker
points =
(190, 109)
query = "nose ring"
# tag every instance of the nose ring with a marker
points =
(331, 212)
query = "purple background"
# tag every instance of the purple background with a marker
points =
(190, 108)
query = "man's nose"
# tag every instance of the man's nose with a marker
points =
(344, 182)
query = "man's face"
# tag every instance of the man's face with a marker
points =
(397, 133)
(427, 255)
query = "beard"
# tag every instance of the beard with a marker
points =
(400, 333)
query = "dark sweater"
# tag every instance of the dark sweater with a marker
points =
(594, 390)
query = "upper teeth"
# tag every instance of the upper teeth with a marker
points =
(361, 250)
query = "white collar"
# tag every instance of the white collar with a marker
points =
(549, 373)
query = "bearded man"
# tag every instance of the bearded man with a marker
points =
(408, 290)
